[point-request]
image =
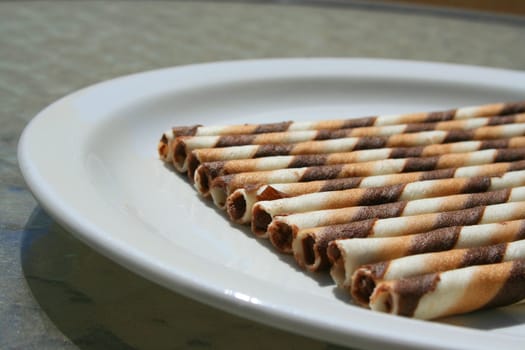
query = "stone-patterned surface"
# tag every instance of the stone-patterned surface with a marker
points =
(56, 293)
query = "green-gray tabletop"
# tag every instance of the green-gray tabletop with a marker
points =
(58, 293)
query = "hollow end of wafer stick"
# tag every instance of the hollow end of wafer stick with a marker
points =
(281, 235)
(240, 202)
(310, 255)
(260, 221)
(205, 174)
(362, 286)
(236, 207)
(202, 180)
(193, 163)
(180, 155)
(163, 148)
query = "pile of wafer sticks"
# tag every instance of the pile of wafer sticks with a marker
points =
(420, 214)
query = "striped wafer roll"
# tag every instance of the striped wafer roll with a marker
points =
(347, 255)
(224, 186)
(224, 154)
(282, 228)
(389, 136)
(365, 278)
(240, 202)
(452, 292)
(462, 182)
(310, 245)
(424, 117)
(339, 165)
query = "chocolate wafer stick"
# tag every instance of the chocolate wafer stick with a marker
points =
(310, 245)
(282, 228)
(460, 180)
(313, 148)
(452, 292)
(494, 109)
(346, 255)
(339, 165)
(389, 136)
(365, 278)
(224, 190)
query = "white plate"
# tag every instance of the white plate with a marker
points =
(90, 159)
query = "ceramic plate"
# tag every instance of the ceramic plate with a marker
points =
(90, 160)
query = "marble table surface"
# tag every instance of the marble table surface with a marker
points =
(56, 292)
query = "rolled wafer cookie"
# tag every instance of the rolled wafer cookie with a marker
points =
(339, 165)
(391, 135)
(240, 202)
(494, 109)
(282, 228)
(458, 182)
(365, 278)
(347, 255)
(225, 165)
(224, 154)
(452, 292)
(224, 186)
(310, 245)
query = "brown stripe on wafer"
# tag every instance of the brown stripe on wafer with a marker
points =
(420, 164)
(509, 154)
(321, 173)
(459, 135)
(340, 184)
(235, 140)
(436, 240)
(437, 174)
(498, 143)
(406, 152)
(500, 120)
(512, 108)
(411, 128)
(359, 122)
(469, 216)
(383, 194)
(483, 255)
(273, 149)
(370, 142)
(272, 127)
(513, 289)
(441, 116)
(300, 161)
